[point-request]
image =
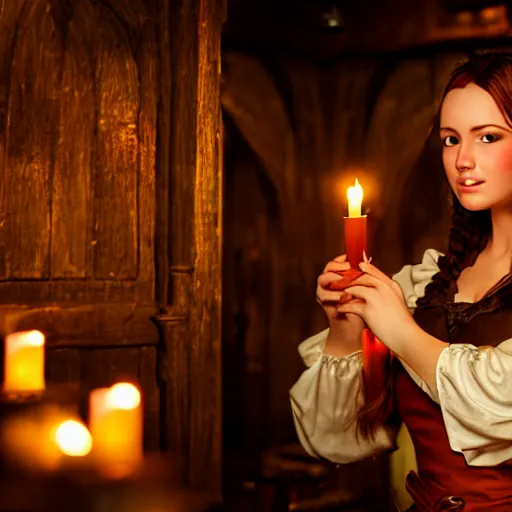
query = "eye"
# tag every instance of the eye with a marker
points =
(488, 138)
(449, 141)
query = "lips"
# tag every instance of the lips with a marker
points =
(469, 182)
(468, 185)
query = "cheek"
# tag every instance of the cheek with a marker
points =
(502, 160)
(449, 164)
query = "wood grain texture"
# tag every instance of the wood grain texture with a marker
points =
(116, 181)
(63, 365)
(184, 29)
(32, 119)
(190, 363)
(206, 421)
(151, 399)
(73, 292)
(147, 64)
(104, 367)
(175, 358)
(184, 18)
(78, 128)
(87, 325)
(173, 371)
(74, 161)
(9, 22)
(163, 158)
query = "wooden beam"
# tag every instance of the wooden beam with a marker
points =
(189, 322)
(205, 311)
(99, 325)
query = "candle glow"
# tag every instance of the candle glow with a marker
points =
(355, 199)
(44, 438)
(24, 362)
(123, 396)
(115, 420)
(73, 438)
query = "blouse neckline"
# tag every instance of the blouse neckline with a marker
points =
(504, 281)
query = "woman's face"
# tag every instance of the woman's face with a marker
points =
(477, 149)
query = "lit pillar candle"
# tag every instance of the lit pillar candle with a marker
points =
(355, 226)
(24, 362)
(115, 421)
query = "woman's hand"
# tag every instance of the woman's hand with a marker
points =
(381, 306)
(330, 300)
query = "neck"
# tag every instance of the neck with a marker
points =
(500, 241)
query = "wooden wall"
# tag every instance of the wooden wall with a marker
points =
(77, 150)
(110, 204)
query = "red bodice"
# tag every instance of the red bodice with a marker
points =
(442, 471)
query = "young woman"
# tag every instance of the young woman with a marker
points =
(451, 376)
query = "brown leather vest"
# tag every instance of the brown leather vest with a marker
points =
(442, 472)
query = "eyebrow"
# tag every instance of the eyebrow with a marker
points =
(478, 128)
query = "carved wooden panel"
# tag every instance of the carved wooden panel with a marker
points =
(78, 124)
(77, 147)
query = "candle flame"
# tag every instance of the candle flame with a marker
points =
(26, 339)
(355, 193)
(123, 396)
(73, 438)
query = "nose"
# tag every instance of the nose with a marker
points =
(465, 159)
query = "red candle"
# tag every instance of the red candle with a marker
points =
(376, 356)
(376, 364)
(355, 227)
(355, 237)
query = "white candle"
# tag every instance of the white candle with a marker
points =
(24, 362)
(115, 421)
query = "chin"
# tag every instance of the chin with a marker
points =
(474, 204)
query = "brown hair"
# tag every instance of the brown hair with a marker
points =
(470, 230)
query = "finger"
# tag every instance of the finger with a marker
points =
(347, 297)
(324, 280)
(352, 307)
(372, 270)
(336, 266)
(368, 280)
(340, 284)
(341, 258)
(326, 296)
(361, 292)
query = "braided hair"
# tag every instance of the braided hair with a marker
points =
(468, 236)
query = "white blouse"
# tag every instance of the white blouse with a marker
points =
(474, 391)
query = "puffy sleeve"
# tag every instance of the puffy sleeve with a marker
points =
(475, 394)
(473, 386)
(413, 279)
(324, 402)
